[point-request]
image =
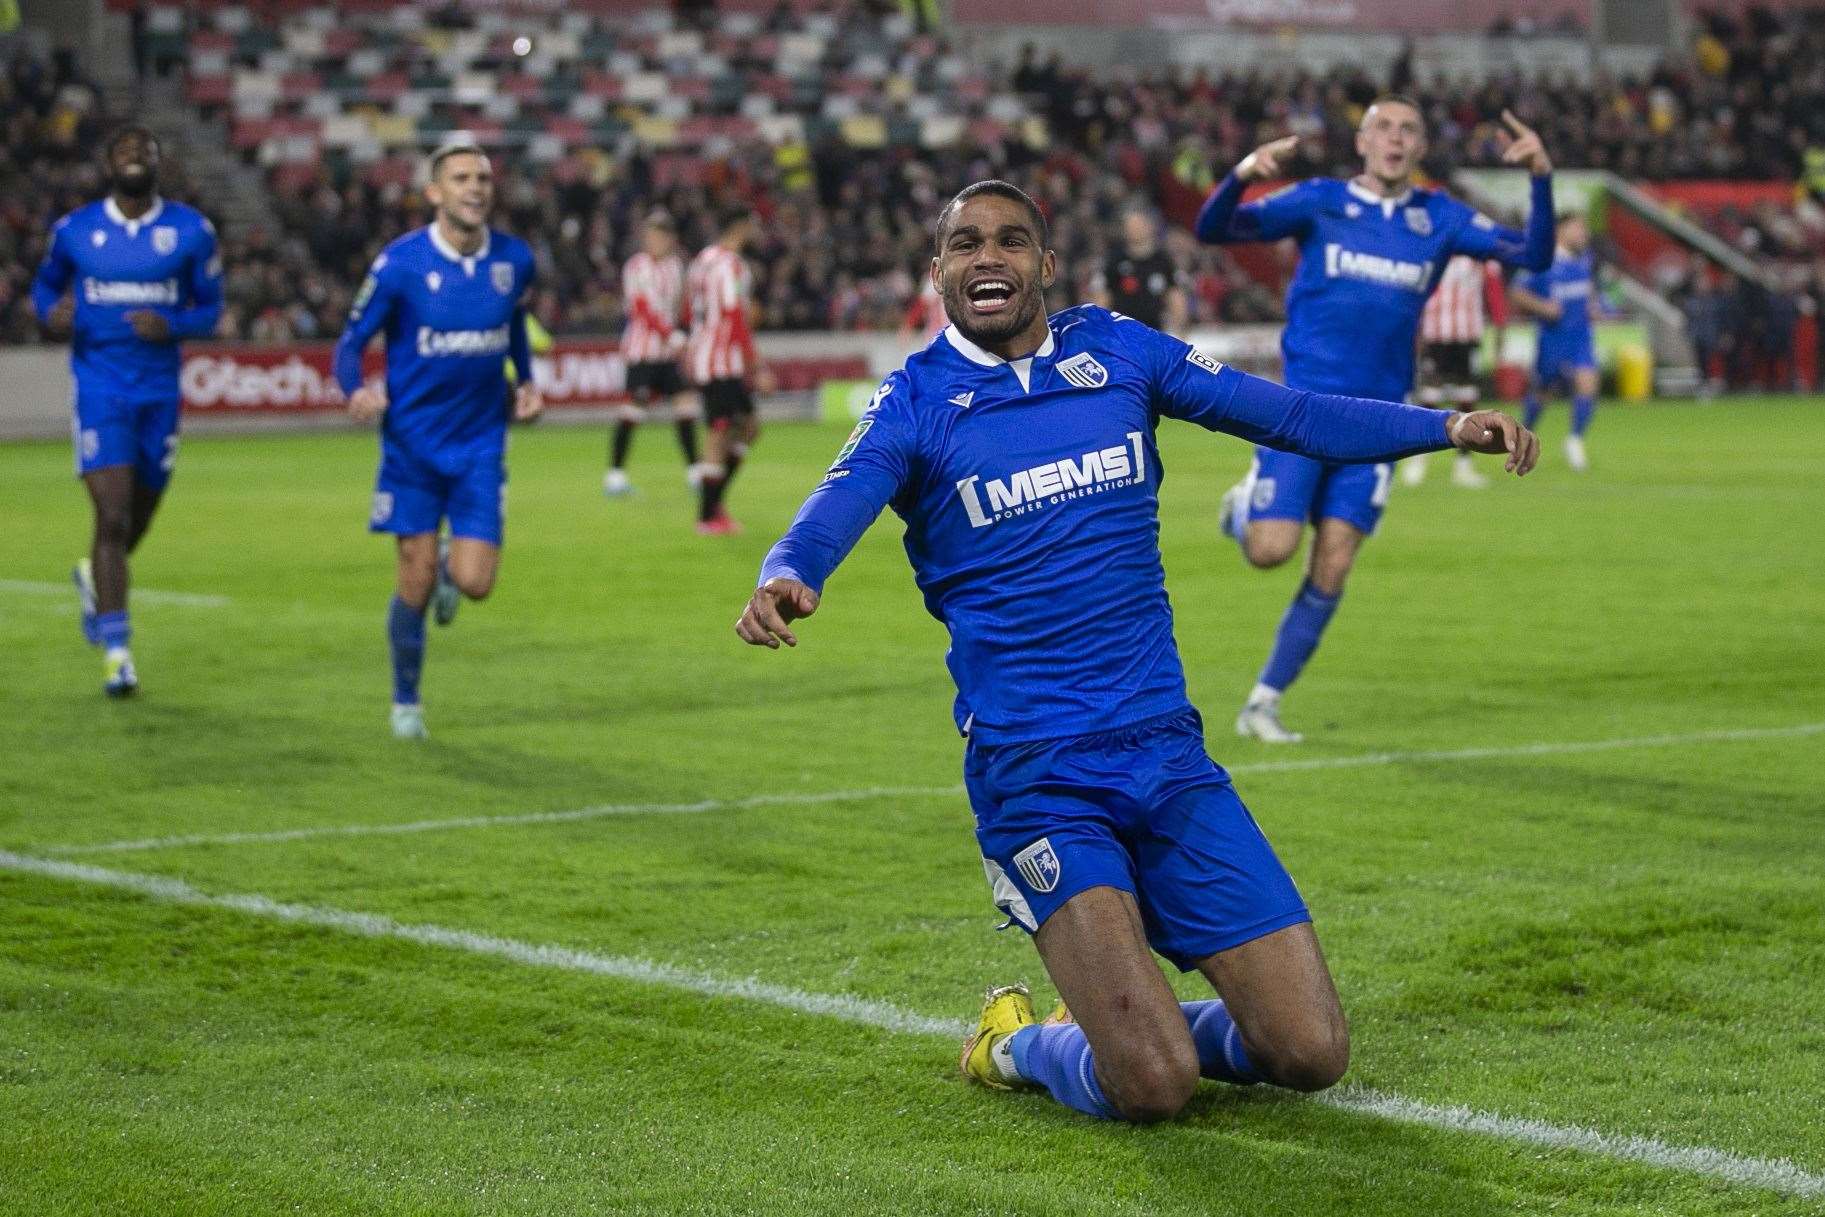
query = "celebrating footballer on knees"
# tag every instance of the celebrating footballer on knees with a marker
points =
(1371, 250)
(125, 280)
(1020, 452)
(449, 299)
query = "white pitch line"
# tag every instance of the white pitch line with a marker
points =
(140, 844)
(137, 595)
(1777, 1174)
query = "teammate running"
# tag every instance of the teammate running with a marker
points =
(145, 276)
(449, 298)
(652, 284)
(1450, 333)
(721, 357)
(1020, 452)
(1563, 299)
(1370, 251)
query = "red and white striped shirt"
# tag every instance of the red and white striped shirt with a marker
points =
(1457, 310)
(653, 289)
(722, 345)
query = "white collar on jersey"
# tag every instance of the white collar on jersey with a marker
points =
(1023, 367)
(466, 261)
(1387, 205)
(133, 226)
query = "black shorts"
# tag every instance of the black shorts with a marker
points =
(648, 382)
(727, 400)
(1448, 363)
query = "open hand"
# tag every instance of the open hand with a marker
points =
(1494, 432)
(1265, 162)
(773, 604)
(1523, 147)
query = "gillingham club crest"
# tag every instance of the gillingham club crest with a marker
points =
(1084, 372)
(1038, 865)
(164, 239)
(501, 273)
(1419, 221)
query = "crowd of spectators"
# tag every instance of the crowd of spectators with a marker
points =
(847, 230)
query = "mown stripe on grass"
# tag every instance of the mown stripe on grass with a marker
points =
(138, 595)
(809, 798)
(1777, 1174)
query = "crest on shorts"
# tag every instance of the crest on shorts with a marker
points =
(501, 273)
(1263, 496)
(1419, 221)
(383, 508)
(164, 239)
(1084, 372)
(1038, 865)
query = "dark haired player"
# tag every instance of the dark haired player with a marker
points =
(1371, 250)
(449, 298)
(1019, 450)
(720, 358)
(141, 275)
(652, 286)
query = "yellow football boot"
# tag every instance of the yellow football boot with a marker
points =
(1004, 1011)
(1058, 1016)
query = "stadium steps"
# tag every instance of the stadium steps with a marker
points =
(234, 193)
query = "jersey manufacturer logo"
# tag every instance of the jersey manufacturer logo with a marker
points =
(434, 280)
(963, 400)
(1419, 221)
(501, 274)
(164, 239)
(1203, 361)
(1038, 864)
(1084, 372)
(1341, 263)
(1053, 482)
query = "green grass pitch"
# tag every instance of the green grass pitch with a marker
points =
(1623, 939)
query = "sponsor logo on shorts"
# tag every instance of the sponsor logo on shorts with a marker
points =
(1039, 865)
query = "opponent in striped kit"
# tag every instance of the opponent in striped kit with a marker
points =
(1468, 295)
(652, 289)
(720, 359)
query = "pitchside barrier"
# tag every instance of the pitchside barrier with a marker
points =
(242, 386)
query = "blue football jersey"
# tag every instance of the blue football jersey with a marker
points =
(164, 261)
(1366, 266)
(1570, 282)
(1030, 493)
(451, 322)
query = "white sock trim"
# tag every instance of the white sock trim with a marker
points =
(1264, 695)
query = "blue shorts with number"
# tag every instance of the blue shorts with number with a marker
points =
(1556, 360)
(119, 427)
(1143, 809)
(415, 492)
(1282, 486)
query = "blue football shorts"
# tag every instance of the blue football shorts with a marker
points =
(1143, 809)
(112, 427)
(1557, 360)
(414, 493)
(1282, 486)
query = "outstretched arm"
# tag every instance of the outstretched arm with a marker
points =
(1533, 249)
(1224, 218)
(866, 475)
(1324, 426)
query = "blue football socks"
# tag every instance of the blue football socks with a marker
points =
(1220, 1053)
(406, 637)
(113, 630)
(1057, 1057)
(1530, 410)
(1583, 408)
(1300, 630)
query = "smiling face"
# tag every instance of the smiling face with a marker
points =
(1391, 141)
(462, 190)
(1574, 234)
(992, 269)
(133, 164)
